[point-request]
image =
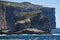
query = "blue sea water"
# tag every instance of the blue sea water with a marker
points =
(31, 36)
(55, 31)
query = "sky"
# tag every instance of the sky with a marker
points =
(48, 3)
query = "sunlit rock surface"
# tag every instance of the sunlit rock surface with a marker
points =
(31, 31)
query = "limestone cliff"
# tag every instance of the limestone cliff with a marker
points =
(38, 16)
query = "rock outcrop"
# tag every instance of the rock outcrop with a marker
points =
(27, 15)
(3, 25)
(22, 24)
(40, 22)
(31, 31)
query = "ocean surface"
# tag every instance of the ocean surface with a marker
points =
(55, 31)
(31, 36)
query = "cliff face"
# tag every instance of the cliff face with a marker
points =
(37, 14)
(40, 22)
(2, 17)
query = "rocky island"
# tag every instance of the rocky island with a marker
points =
(26, 18)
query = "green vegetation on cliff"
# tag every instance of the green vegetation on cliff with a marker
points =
(22, 5)
(28, 14)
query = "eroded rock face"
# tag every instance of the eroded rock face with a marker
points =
(31, 31)
(40, 22)
(2, 17)
(10, 17)
(22, 24)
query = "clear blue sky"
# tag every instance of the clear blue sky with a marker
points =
(48, 3)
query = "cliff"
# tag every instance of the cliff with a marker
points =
(37, 14)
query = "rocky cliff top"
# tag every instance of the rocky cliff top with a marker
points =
(22, 4)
